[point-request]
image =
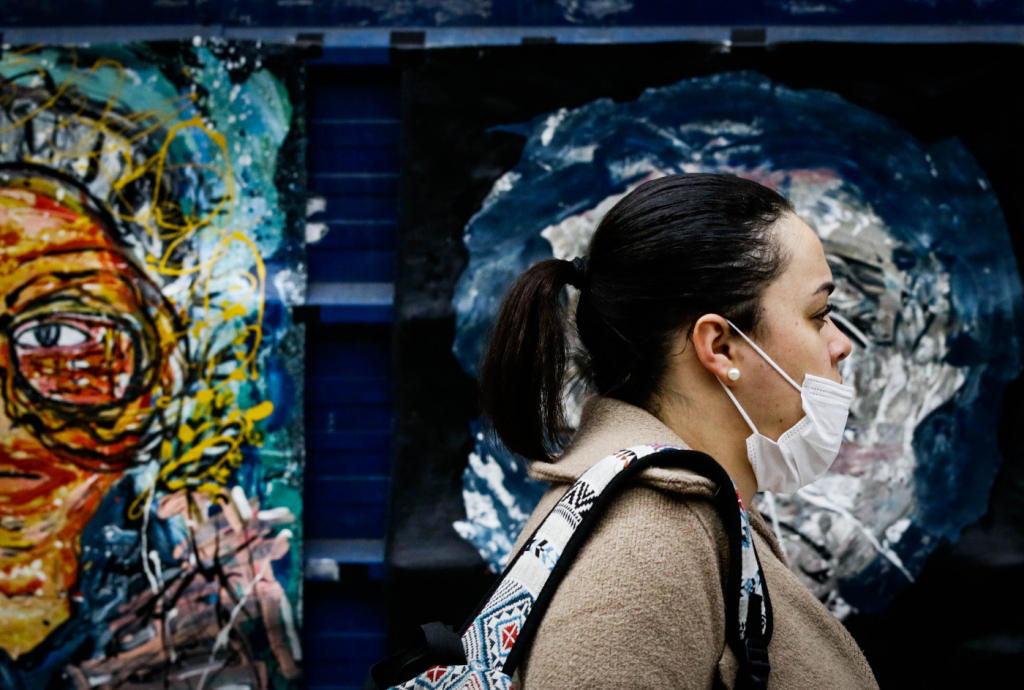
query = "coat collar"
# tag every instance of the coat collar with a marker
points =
(608, 425)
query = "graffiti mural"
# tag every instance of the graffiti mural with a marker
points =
(151, 432)
(927, 289)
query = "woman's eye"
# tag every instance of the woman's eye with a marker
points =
(51, 335)
(823, 314)
(76, 360)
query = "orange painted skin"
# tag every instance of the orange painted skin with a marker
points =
(58, 351)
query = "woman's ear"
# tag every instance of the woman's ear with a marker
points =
(712, 340)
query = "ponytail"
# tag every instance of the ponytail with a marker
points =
(522, 374)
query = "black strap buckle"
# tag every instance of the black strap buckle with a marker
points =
(441, 646)
(755, 666)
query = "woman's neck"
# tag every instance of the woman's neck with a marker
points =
(716, 429)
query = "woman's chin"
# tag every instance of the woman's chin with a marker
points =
(28, 619)
(37, 568)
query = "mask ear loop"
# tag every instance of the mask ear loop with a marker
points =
(768, 359)
(739, 407)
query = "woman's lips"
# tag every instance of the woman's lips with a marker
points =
(25, 479)
(13, 480)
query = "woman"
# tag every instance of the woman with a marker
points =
(86, 346)
(703, 304)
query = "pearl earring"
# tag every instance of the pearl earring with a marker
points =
(733, 374)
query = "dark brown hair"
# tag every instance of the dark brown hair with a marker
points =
(672, 250)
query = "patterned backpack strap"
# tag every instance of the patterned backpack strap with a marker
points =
(501, 632)
(497, 636)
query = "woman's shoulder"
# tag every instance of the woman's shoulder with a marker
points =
(649, 525)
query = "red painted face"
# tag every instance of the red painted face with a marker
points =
(75, 359)
(83, 342)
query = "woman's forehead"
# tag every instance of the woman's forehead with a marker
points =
(806, 266)
(32, 224)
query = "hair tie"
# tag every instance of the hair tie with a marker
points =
(581, 275)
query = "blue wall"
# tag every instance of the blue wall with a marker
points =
(280, 13)
(353, 153)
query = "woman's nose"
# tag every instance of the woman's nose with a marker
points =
(840, 346)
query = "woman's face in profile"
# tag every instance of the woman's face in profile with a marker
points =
(795, 329)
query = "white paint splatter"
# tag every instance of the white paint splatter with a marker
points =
(316, 232)
(241, 503)
(551, 124)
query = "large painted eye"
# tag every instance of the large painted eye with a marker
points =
(50, 335)
(76, 359)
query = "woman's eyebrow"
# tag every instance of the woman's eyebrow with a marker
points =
(827, 287)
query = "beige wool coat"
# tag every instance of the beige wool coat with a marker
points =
(642, 604)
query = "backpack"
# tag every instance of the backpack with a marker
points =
(484, 655)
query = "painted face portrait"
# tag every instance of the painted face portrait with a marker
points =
(88, 344)
(149, 482)
(934, 320)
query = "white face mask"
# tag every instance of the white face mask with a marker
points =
(805, 451)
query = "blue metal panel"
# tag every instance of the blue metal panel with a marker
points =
(347, 356)
(355, 551)
(354, 140)
(353, 153)
(327, 158)
(349, 462)
(353, 56)
(344, 614)
(353, 266)
(355, 234)
(370, 46)
(348, 184)
(336, 418)
(344, 634)
(274, 14)
(360, 441)
(357, 207)
(361, 390)
(357, 314)
(337, 675)
(360, 101)
(346, 507)
(356, 134)
(347, 647)
(342, 302)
